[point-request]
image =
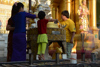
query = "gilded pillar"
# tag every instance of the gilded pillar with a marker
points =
(61, 7)
(51, 7)
(53, 13)
(76, 17)
(56, 12)
(93, 24)
(72, 6)
(68, 6)
(0, 2)
(54, 7)
(92, 6)
(72, 14)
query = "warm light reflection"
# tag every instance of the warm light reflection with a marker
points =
(94, 13)
(12, 2)
(58, 25)
(5, 1)
(69, 4)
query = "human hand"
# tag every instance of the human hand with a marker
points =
(36, 16)
(27, 19)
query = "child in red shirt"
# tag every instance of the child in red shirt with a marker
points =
(42, 39)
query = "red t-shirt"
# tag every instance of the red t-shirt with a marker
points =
(42, 26)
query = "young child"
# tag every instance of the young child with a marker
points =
(19, 34)
(42, 39)
(69, 26)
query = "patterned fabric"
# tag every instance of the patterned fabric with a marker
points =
(33, 33)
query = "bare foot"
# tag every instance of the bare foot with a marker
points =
(42, 56)
(39, 56)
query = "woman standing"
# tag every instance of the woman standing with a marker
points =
(10, 36)
(19, 35)
(10, 28)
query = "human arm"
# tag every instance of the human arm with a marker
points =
(73, 34)
(30, 15)
(72, 29)
(8, 27)
(53, 20)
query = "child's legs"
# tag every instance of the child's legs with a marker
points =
(43, 47)
(39, 48)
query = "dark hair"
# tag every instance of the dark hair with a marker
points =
(16, 8)
(65, 13)
(41, 14)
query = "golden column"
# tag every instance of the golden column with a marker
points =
(92, 6)
(53, 13)
(0, 2)
(56, 12)
(72, 7)
(76, 17)
(92, 20)
(68, 6)
(61, 7)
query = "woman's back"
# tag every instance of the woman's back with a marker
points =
(19, 21)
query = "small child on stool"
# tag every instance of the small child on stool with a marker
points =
(42, 39)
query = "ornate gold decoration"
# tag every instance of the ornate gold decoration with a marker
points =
(83, 12)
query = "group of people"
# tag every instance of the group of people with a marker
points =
(17, 35)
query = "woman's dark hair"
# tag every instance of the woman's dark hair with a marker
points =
(15, 8)
(65, 13)
(41, 15)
